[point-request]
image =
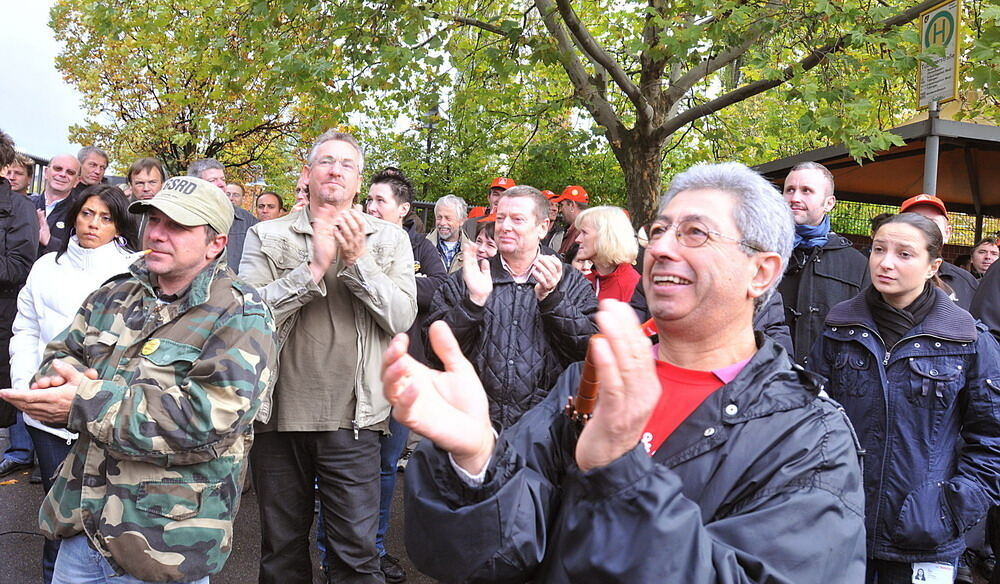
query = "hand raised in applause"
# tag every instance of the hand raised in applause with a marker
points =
(548, 270)
(324, 246)
(349, 231)
(449, 407)
(477, 276)
(628, 388)
(44, 235)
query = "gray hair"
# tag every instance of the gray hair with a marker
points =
(456, 202)
(760, 213)
(86, 151)
(197, 167)
(333, 135)
(816, 166)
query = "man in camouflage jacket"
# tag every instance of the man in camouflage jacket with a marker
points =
(167, 370)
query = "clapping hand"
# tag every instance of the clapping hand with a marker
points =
(50, 398)
(628, 388)
(448, 407)
(477, 276)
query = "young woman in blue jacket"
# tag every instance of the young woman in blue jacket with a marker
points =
(919, 378)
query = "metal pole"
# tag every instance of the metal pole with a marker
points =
(931, 151)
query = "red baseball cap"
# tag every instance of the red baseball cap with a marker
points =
(549, 195)
(923, 199)
(502, 182)
(574, 193)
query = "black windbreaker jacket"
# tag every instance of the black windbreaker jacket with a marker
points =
(762, 483)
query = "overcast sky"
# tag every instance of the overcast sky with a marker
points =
(36, 106)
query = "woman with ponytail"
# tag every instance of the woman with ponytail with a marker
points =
(919, 378)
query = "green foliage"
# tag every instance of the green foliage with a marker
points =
(647, 89)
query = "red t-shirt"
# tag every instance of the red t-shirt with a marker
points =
(683, 390)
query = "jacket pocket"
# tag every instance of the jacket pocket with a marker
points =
(168, 361)
(924, 520)
(851, 374)
(967, 502)
(934, 383)
(100, 349)
(175, 499)
(281, 253)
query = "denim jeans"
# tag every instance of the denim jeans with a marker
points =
(51, 451)
(391, 447)
(20, 449)
(78, 563)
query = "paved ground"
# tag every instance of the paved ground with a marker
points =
(20, 545)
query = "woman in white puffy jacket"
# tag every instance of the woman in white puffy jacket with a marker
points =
(99, 248)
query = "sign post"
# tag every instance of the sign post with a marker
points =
(939, 30)
(937, 80)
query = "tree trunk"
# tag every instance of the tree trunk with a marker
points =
(640, 159)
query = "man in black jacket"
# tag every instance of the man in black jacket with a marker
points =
(212, 170)
(18, 249)
(61, 177)
(739, 471)
(523, 316)
(823, 269)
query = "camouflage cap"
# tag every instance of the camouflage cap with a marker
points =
(191, 201)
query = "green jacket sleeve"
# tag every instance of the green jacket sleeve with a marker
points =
(214, 399)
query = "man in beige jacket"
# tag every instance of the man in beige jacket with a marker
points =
(340, 285)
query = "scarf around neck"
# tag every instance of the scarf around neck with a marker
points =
(891, 322)
(813, 235)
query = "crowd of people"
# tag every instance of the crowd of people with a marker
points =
(774, 405)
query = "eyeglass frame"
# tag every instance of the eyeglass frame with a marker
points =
(708, 232)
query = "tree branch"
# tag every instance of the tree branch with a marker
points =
(586, 42)
(710, 65)
(814, 58)
(596, 104)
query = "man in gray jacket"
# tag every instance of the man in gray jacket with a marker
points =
(340, 285)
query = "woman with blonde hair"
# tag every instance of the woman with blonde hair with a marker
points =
(607, 240)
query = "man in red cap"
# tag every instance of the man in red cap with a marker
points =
(574, 199)
(962, 283)
(497, 187)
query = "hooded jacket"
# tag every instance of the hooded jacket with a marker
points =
(761, 483)
(925, 411)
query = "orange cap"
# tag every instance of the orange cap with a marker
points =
(923, 199)
(502, 182)
(549, 195)
(477, 212)
(574, 193)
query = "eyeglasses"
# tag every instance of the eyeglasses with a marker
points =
(345, 163)
(694, 234)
